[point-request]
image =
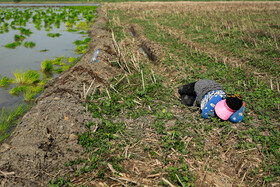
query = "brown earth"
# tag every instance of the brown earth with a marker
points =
(40, 142)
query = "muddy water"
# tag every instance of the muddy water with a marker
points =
(22, 58)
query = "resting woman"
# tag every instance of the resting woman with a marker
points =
(212, 100)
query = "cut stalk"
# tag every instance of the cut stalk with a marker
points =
(108, 93)
(154, 76)
(143, 83)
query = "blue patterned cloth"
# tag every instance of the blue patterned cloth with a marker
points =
(209, 102)
(209, 96)
(238, 115)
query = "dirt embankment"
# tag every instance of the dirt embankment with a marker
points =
(46, 137)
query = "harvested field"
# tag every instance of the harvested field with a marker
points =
(133, 129)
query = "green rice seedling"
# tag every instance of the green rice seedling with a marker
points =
(82, 26)
(18, 90)
(29, 95)
(12, 45)
(78, 42)
(71, 59)
(9, 118)
(37, 89)
(68, 25)
(29, 44)
(5, 81)
(21, 21)
(41, 82)
(87, 40)
(57, 23)
(13, 27)
(18, 77)
(38, 25)
(89, 18)
(47, 75)
(28, 77)
(81, 49)
(82, 32)
(19, 37)
(46, 66)
(58, 61)
(48, 28)
(63, 68)
(5, 27)
(43, 50)
(53, 35)
(31, 77)
(24, 31)
(71, 30)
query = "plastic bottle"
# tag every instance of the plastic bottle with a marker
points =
(95, 55)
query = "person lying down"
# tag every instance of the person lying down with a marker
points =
(212, 100)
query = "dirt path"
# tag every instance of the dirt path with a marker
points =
(40, 145)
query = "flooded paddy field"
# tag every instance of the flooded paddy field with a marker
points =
(36, 45)
(28, 36)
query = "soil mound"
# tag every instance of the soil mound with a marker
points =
(40, 145)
